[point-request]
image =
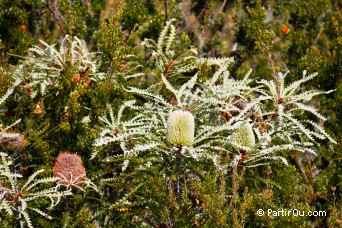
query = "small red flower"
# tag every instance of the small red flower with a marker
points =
(23, 27)
(76, 78)
(285, 29)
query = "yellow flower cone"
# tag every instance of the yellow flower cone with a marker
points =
(181, 128)
(244, 136)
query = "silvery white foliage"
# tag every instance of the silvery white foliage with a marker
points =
(155, 138)
(85, 120)
(44, 66)
(290, 102)
(155, 97)
(116, 130)
(269, 131)
(251, 120)
(222, 64)
(8, 127)
(171, 64)
(284, 129)
(227, 95)
(183, 95)
(125, 165)
(164, 55)
(2, 101)
(131, 68)
(10, 90)
(16, 198)
(205, 140)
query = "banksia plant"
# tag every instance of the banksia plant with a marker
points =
(155, 166)
(44, 67)
(70, 171)
(19, 197)
(181, 128)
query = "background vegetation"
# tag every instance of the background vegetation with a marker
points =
(267, 36)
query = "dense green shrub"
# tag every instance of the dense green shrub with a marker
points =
(158, 100)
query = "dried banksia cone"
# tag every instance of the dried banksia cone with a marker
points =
(12, 141)
(244, 135)
(70, 170)
(181, 128)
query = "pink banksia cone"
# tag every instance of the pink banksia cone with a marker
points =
(12, 141)
(69, 170)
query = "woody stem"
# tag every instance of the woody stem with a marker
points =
(21, 222)
(178, 157)
(67, 200)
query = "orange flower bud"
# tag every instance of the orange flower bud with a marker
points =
(27, 87)
(285, 29)
(87, 82)
(122, 66)
(38, 110)
(23, 27)
(76, 78)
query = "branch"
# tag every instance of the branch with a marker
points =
(197, 18)
(309, 164)
(338, 9)
(269, 58)
(57, 15)
(302, 171)
(224, 6)
(165, 8)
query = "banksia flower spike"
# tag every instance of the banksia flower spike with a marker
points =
(181, 128)
(244, 136)
(70, 171)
